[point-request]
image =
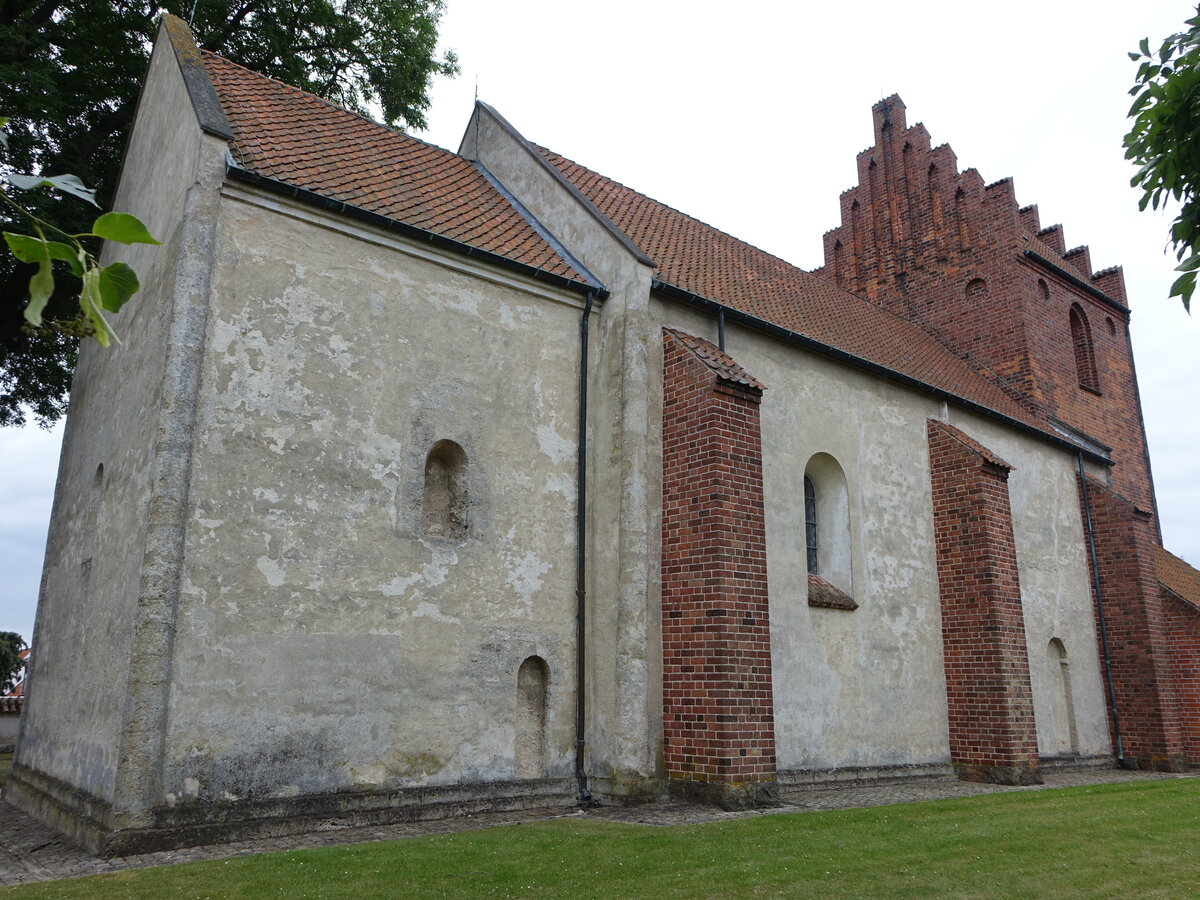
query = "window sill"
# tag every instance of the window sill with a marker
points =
(824, 595)
(1090, 389)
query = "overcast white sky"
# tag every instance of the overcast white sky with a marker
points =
(749, 115)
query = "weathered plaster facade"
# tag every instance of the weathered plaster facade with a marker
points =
(316, 551)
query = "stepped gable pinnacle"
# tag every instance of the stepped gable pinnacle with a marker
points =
(699, 259)
(291, 136)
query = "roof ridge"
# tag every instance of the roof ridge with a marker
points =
(620, 184)
(390, 129)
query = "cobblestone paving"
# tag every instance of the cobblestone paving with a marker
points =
(31, 852)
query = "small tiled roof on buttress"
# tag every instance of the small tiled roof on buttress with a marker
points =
(1177, 576)
(700, 259)
(288, 135)
(716, 359)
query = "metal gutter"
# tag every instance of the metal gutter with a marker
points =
(1076, 281)
(770, 328)
(544, 233)
(312, 198)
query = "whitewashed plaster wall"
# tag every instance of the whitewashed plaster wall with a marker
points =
(1056, 594)
(867, 687)
(324, 642)
(75, 722)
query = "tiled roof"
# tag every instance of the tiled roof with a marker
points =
(290, 136)
(717, 360)
(970, 443)
(1177, 576)
(700, 259)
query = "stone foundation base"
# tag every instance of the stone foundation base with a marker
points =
(999, 774)
(753, 795)
(92, 822)
(1155, 763)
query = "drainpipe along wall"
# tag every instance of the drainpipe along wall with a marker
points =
(585, 795)
(1108, 675)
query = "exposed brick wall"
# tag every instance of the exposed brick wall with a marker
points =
(1136, 624)
(1183, 632)
(718, 713)
(993, 736)
(946, 251)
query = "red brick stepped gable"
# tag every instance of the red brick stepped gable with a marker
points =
(718, 709)
(962, 260)
(989, 696)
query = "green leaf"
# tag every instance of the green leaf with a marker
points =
(117, 284)
(1189, 264)
(90, 302)
(30, 249)
(41, 286)
(1144, 46)
(122, 228)
(68, 184)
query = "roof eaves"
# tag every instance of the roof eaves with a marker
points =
(544, 233)
(802, 340)
(558, 176)
(195, 79)
(411, 231)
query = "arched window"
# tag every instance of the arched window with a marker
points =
(1085, 355)
(827, 534)
(810, 525)
(444, 503)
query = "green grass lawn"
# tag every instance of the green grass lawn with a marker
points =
(1121, 840)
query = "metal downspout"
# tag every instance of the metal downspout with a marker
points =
(1108, 675)
(585, 795)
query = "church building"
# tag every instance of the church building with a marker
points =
(428, 482)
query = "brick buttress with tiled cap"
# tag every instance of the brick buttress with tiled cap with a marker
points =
(1179, 591)
(988, 692)
(718, 709)
(1136, 622)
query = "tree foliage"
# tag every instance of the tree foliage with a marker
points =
(11, 664)
(70, 71)
(1164, 141)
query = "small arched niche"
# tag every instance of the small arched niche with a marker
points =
(1085, 353)
(1065, 741)
(827, 533)
(91, 517)
(444, 503)
(532, 680)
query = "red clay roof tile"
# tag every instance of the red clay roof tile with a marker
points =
(290, 136)
(700, 259)
(1177, 576)
(716, 359)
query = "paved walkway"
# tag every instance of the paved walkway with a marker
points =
(31, 852)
